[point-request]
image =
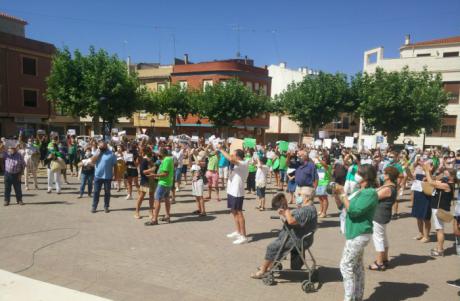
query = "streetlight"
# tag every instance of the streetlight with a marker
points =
(103, 104)
(152, 125)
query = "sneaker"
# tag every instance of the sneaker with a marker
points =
(129, 197)
(93, 210)
(6, 203)
(177, 189)
(20, 203)
(80, 196)
(454, 283)
(233, 235)
(241, 240)
(106, 210)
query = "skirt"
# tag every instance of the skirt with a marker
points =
(421, 208)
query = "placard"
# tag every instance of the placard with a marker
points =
(41, 132)
(236, 144)
(283, 146)
(249, 142)
(367, 143)
(327, 143)
(379, 139)
(349, 141)
(293, 146)
(318, 142)
(71, 132)
(322, 134)
(115, 130)
(194, 139)
(122, 133)
(11, 143)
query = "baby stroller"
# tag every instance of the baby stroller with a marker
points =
(298, 259)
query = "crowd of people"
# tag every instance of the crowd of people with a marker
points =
(366, 186)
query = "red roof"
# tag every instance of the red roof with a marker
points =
(12, 18)
(442, 41)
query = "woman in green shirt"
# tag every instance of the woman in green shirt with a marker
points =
(360, 207)
(324, 176)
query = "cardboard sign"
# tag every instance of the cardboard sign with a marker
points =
(185, 139)
(194, 139)
(283, 146)
(236, 144)
(41, 132)
(71, 132)
(327, 143)
(318, 142)
(367, 143)
(249, 142)
(307, 140)
(349, 141)
(122, 133)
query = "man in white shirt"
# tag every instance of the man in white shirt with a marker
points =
(178, 156)
(235, 192)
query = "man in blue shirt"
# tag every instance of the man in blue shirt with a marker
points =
(306, 178)
(223, 169)
(105, 162)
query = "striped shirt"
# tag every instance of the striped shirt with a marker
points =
(14, 163)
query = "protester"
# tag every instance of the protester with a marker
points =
(324, 171)
(120, 167)
(178, 156)
(252, 169)
(147, 185)
(421, 208)
(86, 173)
(306, 179)
(382, 216)
(223, 170)
(165, 178)
(131, 157)
(14, 167)
(360, 207)
(212, 174)
(73, 155)
(198, 172)
(54, 165)
(32, 159)
(105, 162)
(235, 193)
(261, 181)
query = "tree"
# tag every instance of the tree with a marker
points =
(173, 101)
(400, 102)
(227, 102)
(77, 84)
(317, 100)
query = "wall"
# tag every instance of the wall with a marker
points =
(12, 27)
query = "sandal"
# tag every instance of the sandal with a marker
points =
(424, 240)
(151, 223)
(137, 216)
(196, 212)
(436, 252)
(202, 214)
(386, 263)
(165, 219)
(258, 275)
(418, 237)
(377, 267)
(261, 209)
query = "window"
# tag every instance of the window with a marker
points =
(450, 54)
(249, 85)
(454, 90)
(29, 66)
(183, 84)
(345, 123)
(207, 82)
(448, 127)
(256, 87)
(423, 54)
(30, 98)
(161, 86)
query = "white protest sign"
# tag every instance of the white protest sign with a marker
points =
(327, 143)
(367, 143)
(41, 132)
(194, 139)
(11, 143)
(184, 139)
(383, 146)
(230, 139)
(349, 140)
(318, 142)
(122, 133)
(293, 146)
(322, 134)
(71, 132)
(236, 144)
(115, 130)
(162, 138)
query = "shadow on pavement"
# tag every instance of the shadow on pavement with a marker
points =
(264, 235)
(408, 259)
(397, 291)
(328, 224)
(195, 218)
(51, 203)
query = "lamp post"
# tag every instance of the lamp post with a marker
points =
(103, 104)
(152, 125)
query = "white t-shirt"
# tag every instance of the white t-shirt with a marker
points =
(178, 157)
(261, 175)
(235, 185)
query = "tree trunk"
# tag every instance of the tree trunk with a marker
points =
(391, 137)
(173, 121)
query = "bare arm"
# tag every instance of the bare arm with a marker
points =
(384, 193)
(286, 213)
(434, 183)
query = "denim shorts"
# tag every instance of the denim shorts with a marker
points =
(260, 191)
(177, 174)
(162, 193)
(282, 176)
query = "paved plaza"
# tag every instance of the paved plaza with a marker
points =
(55, 238)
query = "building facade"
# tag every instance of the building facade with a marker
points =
(283, 128)
(438, 56)
(24, 66)
(198, 75)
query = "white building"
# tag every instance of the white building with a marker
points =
(440, 56)
(281, 127)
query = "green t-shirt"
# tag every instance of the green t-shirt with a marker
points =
(361, 213)
(283, 165)
(352, 170)
(73, 149)
(435, 162)
(167, 165)
(251, 166)
(324, 175)
(213, 163)
(397, 166)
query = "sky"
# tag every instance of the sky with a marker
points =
(322, 35)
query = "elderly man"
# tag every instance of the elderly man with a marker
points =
(14, 167)
(105, 162)
(306, 178)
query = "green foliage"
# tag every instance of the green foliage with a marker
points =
(317, 100)
(224, 103)
(77, 83)
(400, 102)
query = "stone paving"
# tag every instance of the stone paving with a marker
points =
(55, 238)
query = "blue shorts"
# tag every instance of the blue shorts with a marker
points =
(177, 174)
(235, 203)
(321, 191)
(162, 193)
(260, 191)
(282, 175)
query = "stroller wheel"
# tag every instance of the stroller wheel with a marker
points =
(278, 267)
(308, 287)
(269, 280)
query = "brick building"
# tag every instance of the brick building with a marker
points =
(198, 75)
(24, 66)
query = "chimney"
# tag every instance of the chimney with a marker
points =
(186, 58)
(245, 59)
(407, 39)
(283, 64)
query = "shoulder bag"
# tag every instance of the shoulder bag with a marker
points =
(442, 214)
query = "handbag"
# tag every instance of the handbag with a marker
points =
(55, 166)
(442, 214)
(427, 188)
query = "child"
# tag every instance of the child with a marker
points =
(291, 184)
(261, 181)
(198, 184)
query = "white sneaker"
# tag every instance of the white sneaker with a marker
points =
(129, 197)
(233, 235)
(177, 189)
(241, 240)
